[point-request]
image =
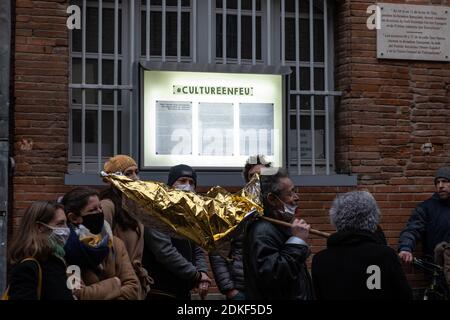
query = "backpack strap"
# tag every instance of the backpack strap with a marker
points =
(39, 288)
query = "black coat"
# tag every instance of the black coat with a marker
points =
(230, 274)
(24, 280)
(430, 223)
(340, 272)
(273, 269)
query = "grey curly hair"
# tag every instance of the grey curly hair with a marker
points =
(355, 210)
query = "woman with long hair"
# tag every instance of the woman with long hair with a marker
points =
(37, 255)
(124, 223)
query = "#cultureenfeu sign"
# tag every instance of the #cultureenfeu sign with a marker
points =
(413, 32)
(211, 119)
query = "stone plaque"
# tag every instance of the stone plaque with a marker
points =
(413, 32)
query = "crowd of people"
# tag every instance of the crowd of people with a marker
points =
(120, 258)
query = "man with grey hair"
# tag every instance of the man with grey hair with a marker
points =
(274, 255)
(355, 265)
(429, 221)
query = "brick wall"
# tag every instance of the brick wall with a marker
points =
(41, 69)
(387, 111)
(389, 108)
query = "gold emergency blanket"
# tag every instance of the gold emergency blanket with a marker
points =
(206, 220)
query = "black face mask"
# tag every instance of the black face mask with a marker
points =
(94, 222)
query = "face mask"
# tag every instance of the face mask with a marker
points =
(59, 234)
(94, 222)
(185, 187)
(288, 210)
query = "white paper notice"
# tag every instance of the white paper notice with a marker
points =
(216, 123)
(256, 124)
(413, 32)
(306, 144)
(173, 127)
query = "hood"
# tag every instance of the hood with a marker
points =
(349, 238)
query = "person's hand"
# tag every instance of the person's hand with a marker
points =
(203, 285)
(76, 291)
(406, 256)
(300, 229)
(231, 293)
(118, 281)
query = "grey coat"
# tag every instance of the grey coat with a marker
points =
(173, 263)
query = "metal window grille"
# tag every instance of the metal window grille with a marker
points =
(238, 32)
(99, 86)
(115, 35)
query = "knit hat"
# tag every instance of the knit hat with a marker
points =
(180, 171)
(443, 172)
(356, 210)
(119, 163)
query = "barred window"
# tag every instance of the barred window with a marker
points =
(306, 48)
(165, 30)
(117, 34)
(242, 27)
(97, 52)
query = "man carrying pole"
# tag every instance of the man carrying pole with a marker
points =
(275, 255)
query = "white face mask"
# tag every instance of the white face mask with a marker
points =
(288, 210)
(185, 187)
(59, 234)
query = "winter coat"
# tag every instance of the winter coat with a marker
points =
(430, 223)
(24, 280)
(274, 263)
(174, 264)
(134, 243)
(345, 270)
(229, 274)
(101, 285)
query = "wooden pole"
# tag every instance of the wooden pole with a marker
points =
(287, 224)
